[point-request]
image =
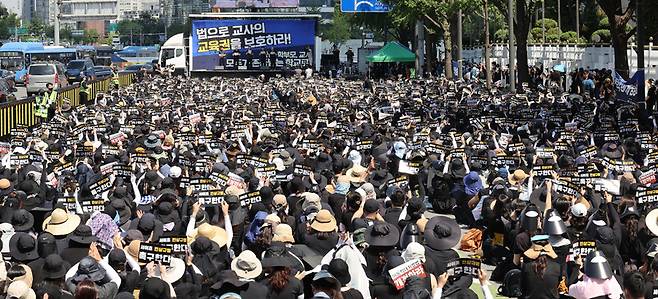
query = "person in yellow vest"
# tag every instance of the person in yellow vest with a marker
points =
(41, 106)
(51, 95)
(115, 78)
(84, 92)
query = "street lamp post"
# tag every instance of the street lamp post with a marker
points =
(460, 72)
(578, 19)
(56, 25)
(510, 21)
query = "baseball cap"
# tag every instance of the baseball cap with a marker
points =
(579, 210)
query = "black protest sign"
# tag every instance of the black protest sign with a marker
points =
(364, 145)
(310, 143)
(123, 171)
(157, 253)
(219, 178)
(111, 150)
(652, 158)
(267, 171)
(543, 171)
(516, 147)
(545, 152)
(587, 174)
(140, 158)
(256, 161)
(210, 197)
(589, 152)
(200, 165)
(645, 195)
(484, 161)
(100, 186)
(479, 145)
(63, 167)
(302, 170)
(84, 151)
(68, 201)
(19, 160)
(504, 160)
(247, 199)
(561, 146)
(178, 244)
(566, 188)
(464, 266)
(201, 184)
(582, 248)
(91, 206)
(408, 167)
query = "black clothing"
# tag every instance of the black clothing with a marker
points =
(292, 289)
(545, 287)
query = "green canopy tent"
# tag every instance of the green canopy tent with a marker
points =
(393, 52)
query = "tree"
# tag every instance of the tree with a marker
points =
(91, 36)
(618, 19)
(339, 31)
(7, 23)
(523, 11)
(37, 27)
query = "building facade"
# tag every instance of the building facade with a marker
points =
(177, 11)
(88, 14)
(22, 8)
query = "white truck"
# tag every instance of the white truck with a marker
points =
(173, 55)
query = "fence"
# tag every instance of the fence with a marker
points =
(571, 56)
(21, 112)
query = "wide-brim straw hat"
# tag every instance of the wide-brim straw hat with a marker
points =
(61, 223)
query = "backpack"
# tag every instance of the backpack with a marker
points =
(511, 286)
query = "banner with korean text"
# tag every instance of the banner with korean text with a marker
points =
(252, 44)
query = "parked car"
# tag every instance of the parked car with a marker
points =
(41, 73)
(103, 72)
(76, 70)
(6, 92)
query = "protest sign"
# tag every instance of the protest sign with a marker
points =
(408, 167)
(68, 201)
(91, 206)
(645, 195)
(411, 268)
(247, 199)
(581, 248)
(100, 186)
(201, 184)
(302, 170)
(648, 177)
(566, 188)
(210, 197)
(464, 266)
(178, 244)
(152, 252)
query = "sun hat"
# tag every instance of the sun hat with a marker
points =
(54, 267)
(371, 206)
(651, 220)
(339, 269)
(412, 251)
(518, 176)
(174, 271)
(410, 234)
(88, 268)
(310, 199)
(271, 220)
(83, 235)
(133, 249)
(279, 201)
(287, 158)
(355, 157)
(175, 172)
(152, 141)
(61, 223)
(357, 174)
(23, 247)
(212, 232)
(597, 266)
(277, 256)
(22, 220)
(536, 250)
(472, 183)
(6, 187)
(27, 278)
(246, 265)
(278, 164)
(628, 212)
(20, 290)
(104, 228)
(324, 222)
(442, 233)
(554, 225)
(382, 234)
(283, 233)
(153, 288)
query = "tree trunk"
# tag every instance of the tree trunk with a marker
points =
(487, 44)
(618, 19)
(521, 33)
(447, 44)
(430, 47)
(620, 44)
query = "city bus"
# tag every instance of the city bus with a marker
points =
(104, 55)
(17, 56)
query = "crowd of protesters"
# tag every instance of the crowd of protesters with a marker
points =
(321, 188)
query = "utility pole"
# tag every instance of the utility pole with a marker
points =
(460, 71)
(510, 25)
(487, 45)
(543, 19)
(559, 15)
(56, 25)
(640, 52)
(578, 19)
(420, 47)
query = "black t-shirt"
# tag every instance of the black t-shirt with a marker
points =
(384, 290)
(522, 243)
(292, 289)
(545, 287)
(321, 246)
(352, 294)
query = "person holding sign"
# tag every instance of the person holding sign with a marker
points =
(540, 272)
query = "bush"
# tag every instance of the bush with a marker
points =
(569, 37)
(501, 35)
(548, 23)
(603, 34)
(604, 23)
(552, 38)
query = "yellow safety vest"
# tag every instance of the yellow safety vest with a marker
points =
(52, 97)
(41, 106)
